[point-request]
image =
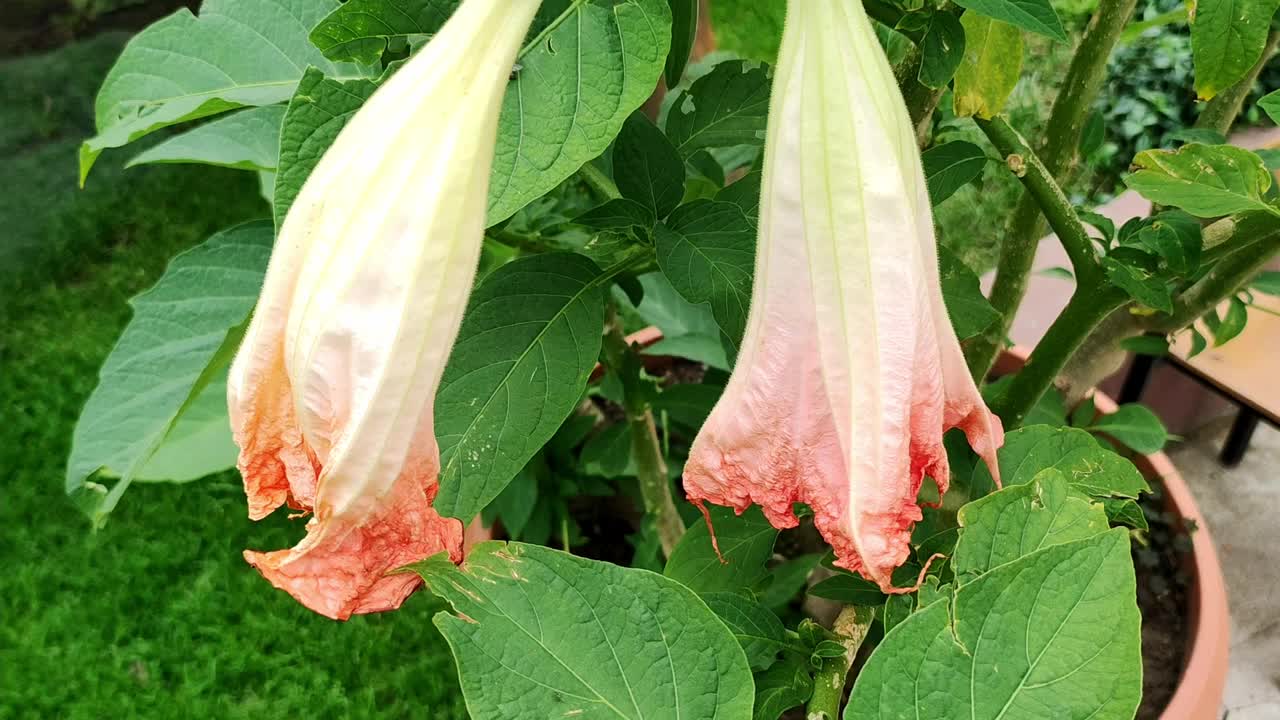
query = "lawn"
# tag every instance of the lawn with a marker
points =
(156, 615)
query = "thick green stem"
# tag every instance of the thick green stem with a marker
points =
(1220, 113)
(1058, 150)
(646, 449)
(601, 184)
(851, 628)
(1089, 305)
(1051, 201)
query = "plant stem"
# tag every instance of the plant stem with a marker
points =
(1050, 199)
(646, 449)
(1089, 305)
(1058, 150)
(1220, 112)
(601, 184)
(850, 628)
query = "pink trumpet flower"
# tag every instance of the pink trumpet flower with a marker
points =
(331, 393)
(850, 372)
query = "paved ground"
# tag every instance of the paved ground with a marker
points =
(1242, 507)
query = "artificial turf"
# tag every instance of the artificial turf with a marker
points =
(156, 615)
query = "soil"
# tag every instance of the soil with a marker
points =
(1162, 598)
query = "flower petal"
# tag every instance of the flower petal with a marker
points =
(850, 373)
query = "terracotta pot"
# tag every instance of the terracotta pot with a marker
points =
(1199, 693)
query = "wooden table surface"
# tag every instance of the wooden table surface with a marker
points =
(1247, 369)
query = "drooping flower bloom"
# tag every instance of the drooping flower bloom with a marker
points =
(331, 394)
(849, 373)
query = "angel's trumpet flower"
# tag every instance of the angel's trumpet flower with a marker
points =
(849, 373)
(331, 394)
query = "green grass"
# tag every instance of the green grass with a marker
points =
(156, 615)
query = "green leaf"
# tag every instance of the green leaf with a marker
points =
(788, 579)
(688, 330)
(990, 69)
(941, 50)
(540, 633)
(358, 30)
(849, 589)
(575, 88)
(1125, 512)
(746, 544)
(1055, 633)
(968, 307)
(646, 167)
(1233, 322)
(896, 609)
(618, 214)
(1057, 272)
(1204, 136)
(1205, 180)
(1093, 134)
(1198, 343)
(1049, 410)
(183, 334)
(684, 30)
(237, 53)
(1140, 283)
(528, 342)
(1175, 237)
(727, 106)
(707, 250)
(199, 443)
(1134, 426)
(1019, 520)
(688, 403)
(757, 629)
(608, 453)
(315, 116)
(745, 193)
(1227, 38)
(1154, 345)
(514, 505)
(949, 166)
(1270, 104)
(782, 687)
(1103, 224)
(1091, 468)
(1267, 282)
(244, 140)
(1035, 16)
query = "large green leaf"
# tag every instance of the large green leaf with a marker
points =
(684, 30)
(527, 344)
(1227, 38)
(573, 91)
(1204, 180)
(646, 168)
(1089, 467)
(199, 443)
(237, 53)
(245, 140)
(316, 114)
(1037, 16)
(183, 333)
(744, 542)
(727, 106)
(707, 250)
(543, 634)
(1053, 634)
(688, 330)
(968, 307)
(1021, 519)
(990, 68)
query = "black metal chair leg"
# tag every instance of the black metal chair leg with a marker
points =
(1135, 381)
(1238, 437)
